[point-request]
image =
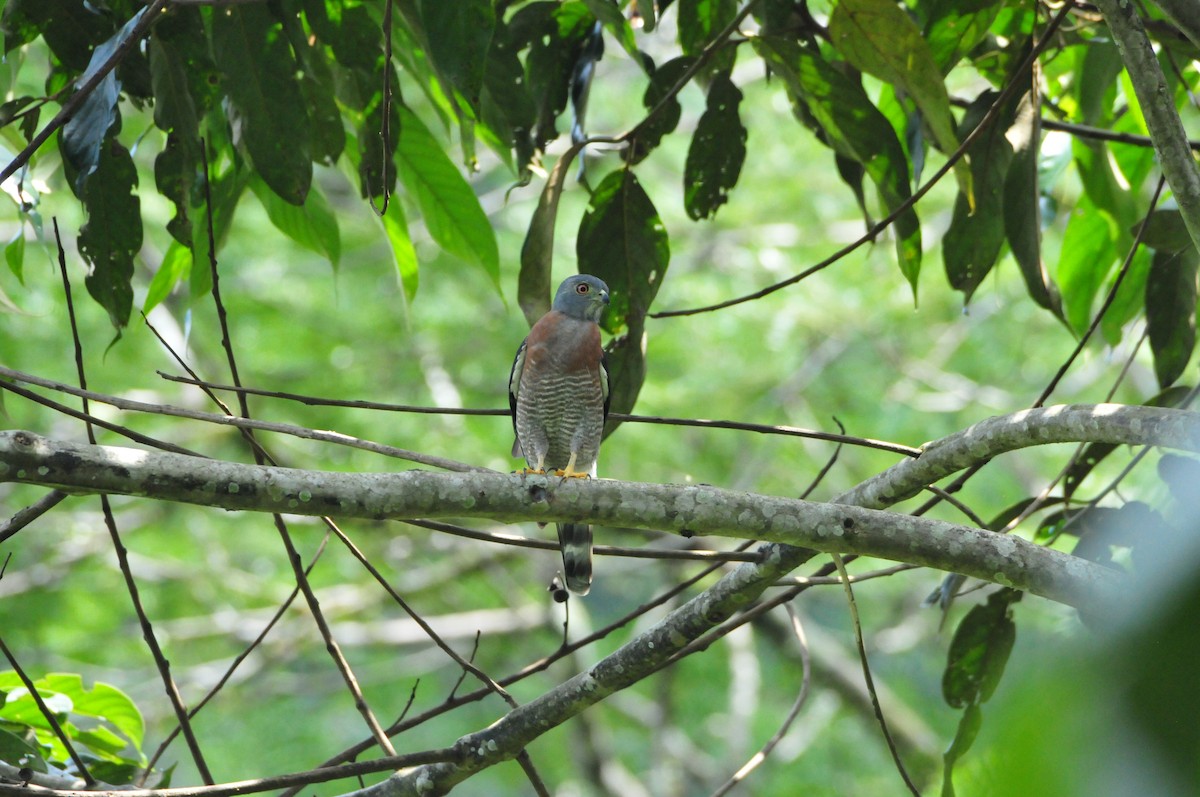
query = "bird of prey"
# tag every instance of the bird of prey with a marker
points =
(558, 395)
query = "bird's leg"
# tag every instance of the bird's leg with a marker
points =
(539, 470)
(569, 472)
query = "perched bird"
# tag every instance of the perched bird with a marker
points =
(558, 395)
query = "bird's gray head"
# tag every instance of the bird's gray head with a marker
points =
(582, 296)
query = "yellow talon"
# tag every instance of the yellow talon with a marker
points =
(531, 472)
(569, 472)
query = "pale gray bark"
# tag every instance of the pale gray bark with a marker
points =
(1157, 103)
(796, 529)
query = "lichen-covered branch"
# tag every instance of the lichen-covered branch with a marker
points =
(693, 509)
(796, 529)
(1075, 423)
(1158, 107)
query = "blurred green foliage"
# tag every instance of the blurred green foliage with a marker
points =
(773, 144)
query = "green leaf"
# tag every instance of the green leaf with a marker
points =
(1104, 188)
(268, 108)
(1165, 231)
(1088, 251)
(1130, 299)
(714, 159)
(1022, 206)
(84, 133)
(964, 737)
(855, 128)
(17, 752)
(506, 106)
(14, 255)
(537, 253)
(1171, 312)
(652, 130)
(555, 34)
(112, 236)
(973, 241)
(103, 701)
(395, 225)
(955, 27)
(609, 15)
(182, 74)
(313, 226)
(459, 34)
(450, 208)
(70, 27)
(176, 264)
(979, 651)
(622, 240)
(1097, 81)
(699, 23)
(879, 37)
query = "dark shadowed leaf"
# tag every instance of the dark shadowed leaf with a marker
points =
(85, 131)
(622, 240)
(714, 159)
(182, 75)
(261, 77)
(1181, 475)
(973, 241)
(1171, 312)
(450, 208)
(508, 112)
(1022, 203)
(879, 37)
(664, 121)
(556, 35)
(537, 253)
(1165, 231)
(459, 34)
(699, 23)
(112, 235)
(855, 128)
(614, 22)
(70, 27)
(979, 651)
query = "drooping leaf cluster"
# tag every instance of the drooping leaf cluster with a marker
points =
(257, 93)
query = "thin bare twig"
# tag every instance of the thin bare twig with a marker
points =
(790, 431)
(1108, 299)
(805, 682)
(285, 536)
(160, 660)
(23, 517)
(337, 438)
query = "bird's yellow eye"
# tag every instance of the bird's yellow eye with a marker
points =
(582, 288)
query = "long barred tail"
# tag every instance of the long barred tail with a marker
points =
(575, 539)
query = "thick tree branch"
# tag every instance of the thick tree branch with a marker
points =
(1154, 96)
(1109, 423)
(28, 458)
